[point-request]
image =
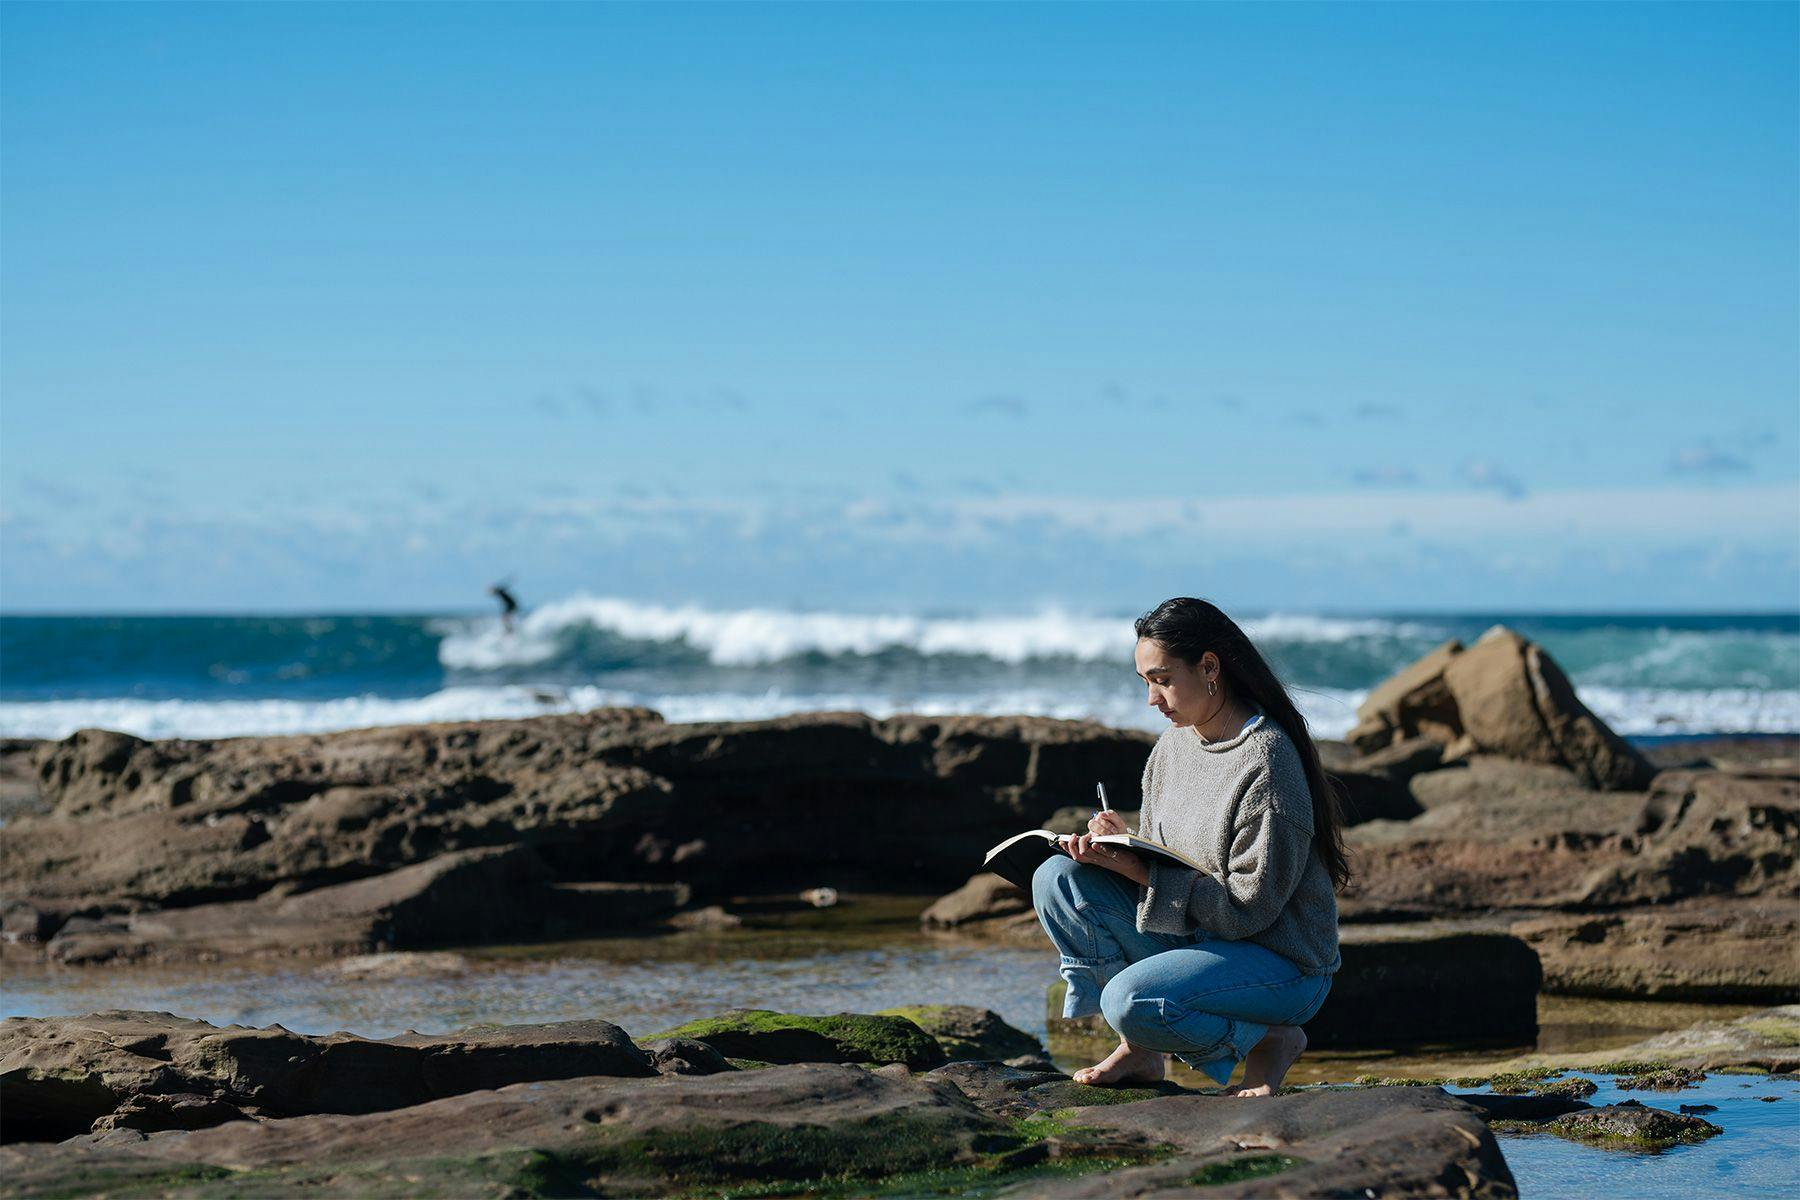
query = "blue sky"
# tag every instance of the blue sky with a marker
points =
(1349, 306)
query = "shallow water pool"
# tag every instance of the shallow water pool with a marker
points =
(867, 955)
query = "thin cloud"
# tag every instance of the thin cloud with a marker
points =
(1486, 473)
(1703, 458)
(1006, 405)
(1119, 396)
(1384, 476)
(59, 494)
(1377, 412)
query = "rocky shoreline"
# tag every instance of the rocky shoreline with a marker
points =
(1486, 800)
(1505, 843)
(936, 1097)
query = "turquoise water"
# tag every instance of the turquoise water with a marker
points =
(1757, 1155)
(219, 676)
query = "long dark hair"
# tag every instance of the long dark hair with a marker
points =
(1188, 628)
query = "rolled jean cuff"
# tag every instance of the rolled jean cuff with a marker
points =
(1218, 1061)
(1087, 978)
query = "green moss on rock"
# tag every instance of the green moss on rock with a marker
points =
(966, 1032)
(776, 1037)
(1236, 1170)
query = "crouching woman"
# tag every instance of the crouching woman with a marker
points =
(1221, 965)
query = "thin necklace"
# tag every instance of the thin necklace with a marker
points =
(1215, 712)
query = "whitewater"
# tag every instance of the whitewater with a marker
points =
(205, 677)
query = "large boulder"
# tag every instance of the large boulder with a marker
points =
(1502, 696)
(62, 1074)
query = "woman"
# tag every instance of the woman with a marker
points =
(1221, 965)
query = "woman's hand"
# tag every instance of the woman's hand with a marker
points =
(1106, 820)
(1083, 849)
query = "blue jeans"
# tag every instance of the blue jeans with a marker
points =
(1206, 1000)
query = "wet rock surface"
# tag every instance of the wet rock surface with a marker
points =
(1385, 1141)
(1634, 1125)
(966, 1032)
(59, 1075)
(815, 1128)
(775, 1037)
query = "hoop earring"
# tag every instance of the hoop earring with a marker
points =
(1211, 687)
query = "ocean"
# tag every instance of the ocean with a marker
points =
(219, 676)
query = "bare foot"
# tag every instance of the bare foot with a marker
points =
(1267, 1063)
(1125, 1065)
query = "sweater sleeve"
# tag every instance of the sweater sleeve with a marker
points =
(1269, 854)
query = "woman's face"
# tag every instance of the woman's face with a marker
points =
(1177, 688)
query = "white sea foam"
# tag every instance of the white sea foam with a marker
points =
(753, 636)
(1330, 712)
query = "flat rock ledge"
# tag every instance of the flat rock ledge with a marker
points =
(578, 1109)
(823, 1129)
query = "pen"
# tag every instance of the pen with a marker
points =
(1100, 791)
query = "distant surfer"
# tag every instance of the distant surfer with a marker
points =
(508, 605)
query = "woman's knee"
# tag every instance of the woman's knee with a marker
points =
(1138, 1018)
(1151, 1021)
(1053, 881)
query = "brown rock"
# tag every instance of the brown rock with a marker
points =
(1513, 700)
(1402, 1141)
(612, 795)
(582, 1136)
(1739, 952)
(1406, 985)
(1632, 1124)
(1411, 703)
(1401, 760)
(1402, 985)
(61, 1074)
(1709, 833)
(984, 898)
(1501, 696)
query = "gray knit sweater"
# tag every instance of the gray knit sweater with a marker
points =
(1241, 808)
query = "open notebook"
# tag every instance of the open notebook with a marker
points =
(1016, 859)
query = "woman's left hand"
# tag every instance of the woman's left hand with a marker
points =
(1082, 848)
